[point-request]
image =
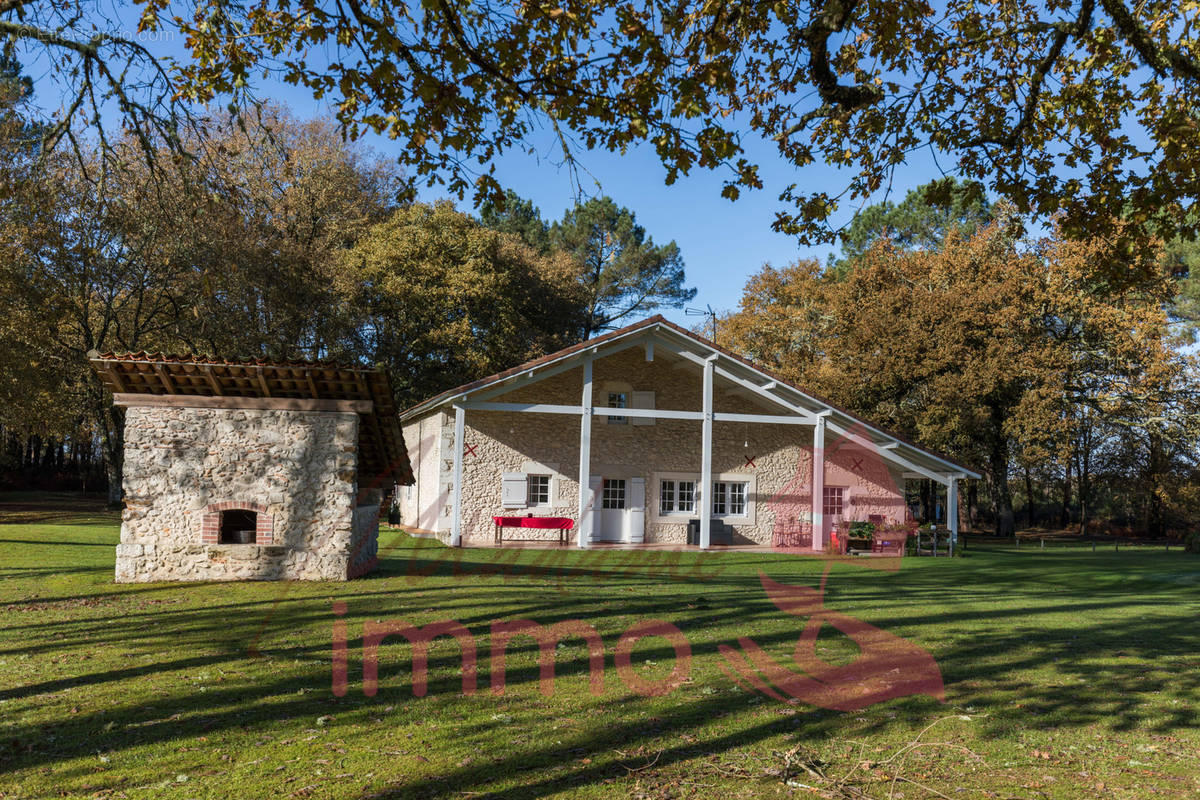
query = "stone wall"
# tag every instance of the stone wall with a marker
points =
(775, 460)
(181, 464)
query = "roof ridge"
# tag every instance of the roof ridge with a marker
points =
(659, 319)
(148, 357)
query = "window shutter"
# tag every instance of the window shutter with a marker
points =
(514, 490)
(642, 400)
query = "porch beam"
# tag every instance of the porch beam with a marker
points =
(706, 436)
(586, 501)
(599, 411)
(543, 371)
(887, 454)
(804, 415)
(524, 408)
(765, 419)
(648, 413)
(460, 428)
(818, 486)
(952, 513)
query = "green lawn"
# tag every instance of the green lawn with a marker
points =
(1067, 674)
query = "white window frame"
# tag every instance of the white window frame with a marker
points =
(534, 469)
(844, 498)
(658, 515)
(605, 494)
(722, 498)
(622, 396)
(676, 495)
(537, 477)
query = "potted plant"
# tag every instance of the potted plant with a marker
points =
(861, 534)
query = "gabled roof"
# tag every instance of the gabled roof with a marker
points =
(768, 384)
(382, 454)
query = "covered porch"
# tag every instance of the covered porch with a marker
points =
(806, 515)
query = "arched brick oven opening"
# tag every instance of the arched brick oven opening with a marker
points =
(237, 523)
(238, 526)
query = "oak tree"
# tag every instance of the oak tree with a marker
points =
(1072, 107)
(980, 348)
(446, 300)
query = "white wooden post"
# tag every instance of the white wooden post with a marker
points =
(587, 502)
(818, 486)
(952, 512)
(706, 459)
(460, 427)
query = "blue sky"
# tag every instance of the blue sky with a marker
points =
(722, 242)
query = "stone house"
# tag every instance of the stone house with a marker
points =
(663, 429)
(252, 470)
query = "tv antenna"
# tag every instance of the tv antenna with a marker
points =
(707, 311)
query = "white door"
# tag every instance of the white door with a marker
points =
(636, 515)
(613, 504)
(835, 510)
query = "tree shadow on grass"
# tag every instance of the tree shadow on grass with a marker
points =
(992, 662)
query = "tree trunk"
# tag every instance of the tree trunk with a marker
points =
(1065, 513)
(997, 476)
(972, 503)
(112, 423)
(1156, 467)
(1083, 473)
(1028, 498)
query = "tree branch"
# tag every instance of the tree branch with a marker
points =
(1062, 35)
(1164, 60)
(830, 19)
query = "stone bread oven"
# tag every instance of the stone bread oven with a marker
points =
(250, 470)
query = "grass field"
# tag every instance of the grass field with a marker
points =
(1067, 674)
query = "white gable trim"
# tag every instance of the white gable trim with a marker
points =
(803, 408)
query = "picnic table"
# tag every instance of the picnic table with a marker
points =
(560, 524)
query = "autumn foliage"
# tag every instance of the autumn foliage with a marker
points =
(998, 351)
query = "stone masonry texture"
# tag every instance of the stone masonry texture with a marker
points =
(776, 460)
(297, 469)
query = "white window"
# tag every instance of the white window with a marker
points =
(834, 501)
(677, 497)
(618, 400)
(729, 499)
(539, 490)
(613, 494)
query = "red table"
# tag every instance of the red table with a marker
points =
(560, 524)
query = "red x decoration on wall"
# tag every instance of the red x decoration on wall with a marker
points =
(857, 465)
(749, 460)
(469, 449)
